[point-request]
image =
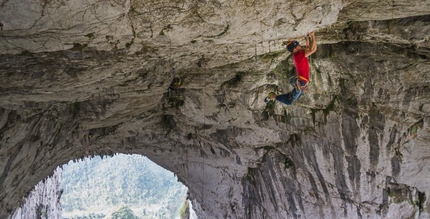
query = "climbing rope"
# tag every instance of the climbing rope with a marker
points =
(203, 176)
(368, 9)
(204, 123)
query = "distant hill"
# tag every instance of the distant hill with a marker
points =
(99, 188)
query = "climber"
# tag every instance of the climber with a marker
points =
(300, 82)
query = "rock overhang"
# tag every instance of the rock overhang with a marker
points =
(341, 145)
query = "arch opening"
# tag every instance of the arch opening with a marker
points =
(108, 187)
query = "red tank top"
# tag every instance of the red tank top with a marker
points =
(302, 64)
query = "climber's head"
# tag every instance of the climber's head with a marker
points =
(292, 45)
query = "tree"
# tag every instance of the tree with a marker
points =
(124, 213)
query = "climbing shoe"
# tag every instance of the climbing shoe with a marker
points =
(270, 97)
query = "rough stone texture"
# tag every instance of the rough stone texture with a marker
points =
(91, 77)
(43, 201)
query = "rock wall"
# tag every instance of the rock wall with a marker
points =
(43, 201)
(90, 78)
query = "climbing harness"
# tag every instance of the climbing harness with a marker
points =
(296, 80)
(299, 85)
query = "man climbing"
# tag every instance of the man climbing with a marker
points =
(300, 82)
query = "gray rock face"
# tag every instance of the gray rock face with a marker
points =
(90, 78)
(43, 201)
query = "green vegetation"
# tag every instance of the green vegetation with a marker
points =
(234, 81)
(288, 163)
(128, 45)
(124, 186)
(250, 175)
(90, 36)
(25, 52)
(295, 139)
(413, 130)
(90, 216)
(192, 136)
(124, 213)
(79, 47)
(184, 212)
(74, 109)
(175, 102)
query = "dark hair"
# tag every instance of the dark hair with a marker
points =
(292, 45)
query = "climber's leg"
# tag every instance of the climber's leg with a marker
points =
(291, 97)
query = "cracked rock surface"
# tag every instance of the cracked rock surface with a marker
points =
(84, 78)
(44, 200)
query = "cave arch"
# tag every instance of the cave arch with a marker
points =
(109, 182)
(87, 97)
